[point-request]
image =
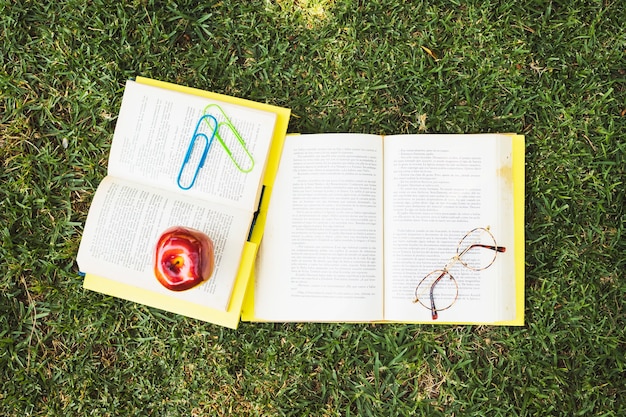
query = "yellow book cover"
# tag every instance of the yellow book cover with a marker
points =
(403, 228)
(181, 156)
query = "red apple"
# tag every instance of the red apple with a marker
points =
(184, 258)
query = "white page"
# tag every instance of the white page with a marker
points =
(437, 188)
(321, 254)
(125, 222)
(155, 129)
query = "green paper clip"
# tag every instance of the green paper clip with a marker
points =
(228, 124)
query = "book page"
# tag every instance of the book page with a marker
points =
(125, 222)
(321, 255)
(156, 127)
(437, 189)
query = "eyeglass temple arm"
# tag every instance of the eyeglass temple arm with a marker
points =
(433, 309)
(496, 248)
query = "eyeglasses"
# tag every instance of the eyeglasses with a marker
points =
(476, 251)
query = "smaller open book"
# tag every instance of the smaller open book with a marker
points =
(158, 177)
(404, 228)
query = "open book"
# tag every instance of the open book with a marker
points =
(405, 228)
(151, 186)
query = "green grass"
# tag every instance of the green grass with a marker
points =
(552, 70)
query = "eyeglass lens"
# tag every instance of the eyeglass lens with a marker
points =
(444, 289)
(477, 250)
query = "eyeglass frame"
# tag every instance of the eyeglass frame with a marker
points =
(446, 270)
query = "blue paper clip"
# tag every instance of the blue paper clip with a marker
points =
(207, 145)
